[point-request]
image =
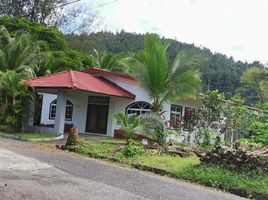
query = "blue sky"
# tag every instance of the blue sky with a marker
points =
(236, 28)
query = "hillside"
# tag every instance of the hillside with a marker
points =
(221, 72)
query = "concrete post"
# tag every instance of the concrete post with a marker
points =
(60, 112)
(31, 113)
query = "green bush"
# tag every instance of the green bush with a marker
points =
(207, 137)
(133, 149)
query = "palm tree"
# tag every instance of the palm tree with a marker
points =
(107, 61)
(20, 53)
(20, 58)
(165, 81)
(129, 124)
(14, 96)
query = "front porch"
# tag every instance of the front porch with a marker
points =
(80, 99)
(89, 112)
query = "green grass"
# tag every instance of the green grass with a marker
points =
(188, 168)
(105, 140)
(34, 135)
(90, 146)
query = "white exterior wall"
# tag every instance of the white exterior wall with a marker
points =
(116, 105)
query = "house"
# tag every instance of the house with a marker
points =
(87, 99)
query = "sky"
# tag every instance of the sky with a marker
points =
(237, 28)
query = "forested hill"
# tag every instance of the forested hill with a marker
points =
(221, 72)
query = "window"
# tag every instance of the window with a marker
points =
(175, 116)
(68, 113)
(139, 108)
(175, 112)
(189, 112)
(190, 118)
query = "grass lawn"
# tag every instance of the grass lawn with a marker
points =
(105, 140)
(188, 168)
(33, 135)
(98, 146)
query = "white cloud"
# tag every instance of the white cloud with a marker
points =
(234, 27)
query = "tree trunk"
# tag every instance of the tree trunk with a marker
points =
(73, 137)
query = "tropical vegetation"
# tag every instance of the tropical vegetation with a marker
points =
(169, 71)
(165, 80)
(220, 72)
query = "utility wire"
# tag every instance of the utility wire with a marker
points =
(101, 5)
(68, 3)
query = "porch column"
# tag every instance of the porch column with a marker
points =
(60, 112)
(31, 112)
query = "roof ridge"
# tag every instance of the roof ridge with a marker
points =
(73, 83)
(48, 75)
(128, 76)
(118, 86)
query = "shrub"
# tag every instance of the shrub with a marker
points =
(133, 149)
(208, 137)
(129, 124)
(154, 127)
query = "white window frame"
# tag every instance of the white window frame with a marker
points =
(53, 108)
(176, 113)
(142, 108)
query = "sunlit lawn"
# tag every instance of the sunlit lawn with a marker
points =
(34, 135)
(187, 168)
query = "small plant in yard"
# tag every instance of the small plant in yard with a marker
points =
(207, 137)
(210, 119)
(129, 124)
(133, 149)
(153, 126)
(239, 120)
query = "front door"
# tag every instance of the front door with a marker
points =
(97, 115)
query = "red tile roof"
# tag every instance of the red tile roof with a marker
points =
(79, 81)
(98, 71)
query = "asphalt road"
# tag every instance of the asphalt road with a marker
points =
(30, 172)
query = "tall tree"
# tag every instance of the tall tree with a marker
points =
(220, 72)
(69, 15)
(58, 56)
(163, 80)
(34, 10)
(107, 61)
(14, 96)
(19, 53)
(252, 85)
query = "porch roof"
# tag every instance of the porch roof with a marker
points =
(76, 80)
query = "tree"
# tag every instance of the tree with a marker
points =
(14, 99)
(210, 118)
(264, 88)
(220, 72)
(211, 109)
(252, 85)
(35, 10)
(129, 124)
(54, 49)
(19, 53)
(51, 12)
(239, 119)
(162, 80)
(107, 61)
